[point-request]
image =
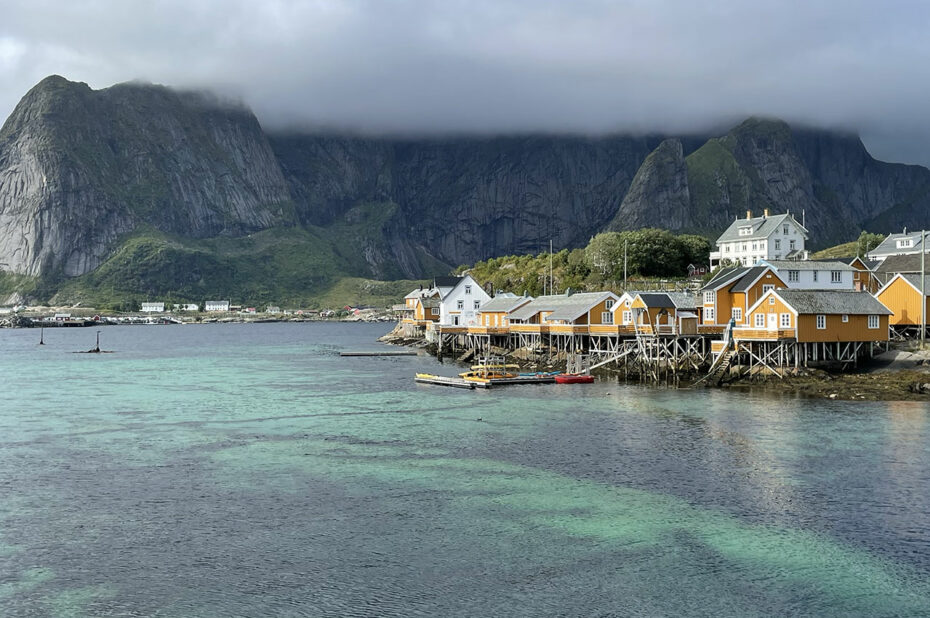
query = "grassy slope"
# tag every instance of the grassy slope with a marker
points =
(844, 250)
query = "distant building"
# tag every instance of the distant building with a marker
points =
(459, 307)
(814, 274)
(749, 240)
(697, 270)
(216, 305)
(272, 309)
(905, 243)
(153, 307)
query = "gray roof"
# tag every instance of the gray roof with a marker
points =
(422, 293)
(903, 264)
(678, 300)
(724, 276)
(562, 307)
(915, 281)
(833, 301)
(762, 227)
(446, 282)
(748, 278)
(684, 300)
(809, 265)
(889, 246)
(504, 302)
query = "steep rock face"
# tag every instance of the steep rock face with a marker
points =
(79, 168)
(659, 194)
(465, 199)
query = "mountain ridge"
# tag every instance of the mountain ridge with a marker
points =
(84, 171)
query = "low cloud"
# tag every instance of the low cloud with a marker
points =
(504, 65)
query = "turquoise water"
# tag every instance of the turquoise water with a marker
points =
(248, 470)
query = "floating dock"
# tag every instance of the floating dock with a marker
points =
(471, 383)
(381, 353)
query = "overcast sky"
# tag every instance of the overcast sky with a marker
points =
(503, 65)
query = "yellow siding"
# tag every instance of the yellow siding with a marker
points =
(904, 301)
(594, 315)
(856, 329)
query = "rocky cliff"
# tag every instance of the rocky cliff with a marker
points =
(82, 171)
(80, 168)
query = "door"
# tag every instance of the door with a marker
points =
(773, 321)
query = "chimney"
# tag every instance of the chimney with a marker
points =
(765, 213)
(749, 214)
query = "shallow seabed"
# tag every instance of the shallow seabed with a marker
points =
(248, 470)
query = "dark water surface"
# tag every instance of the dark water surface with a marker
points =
(248, 470)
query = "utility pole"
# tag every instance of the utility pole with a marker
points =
(551, 288)
(624, 263)
(923, 289)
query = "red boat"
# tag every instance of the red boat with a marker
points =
(573, 378)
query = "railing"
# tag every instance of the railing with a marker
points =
(528, 328)
(568, 329)
(488, 330)
(743, 332)
(611, 329)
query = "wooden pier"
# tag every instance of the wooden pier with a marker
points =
(381, 353)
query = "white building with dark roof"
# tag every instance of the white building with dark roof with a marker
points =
(905, 243)
(814, 274)
(749, 240)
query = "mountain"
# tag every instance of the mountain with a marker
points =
(144, 190)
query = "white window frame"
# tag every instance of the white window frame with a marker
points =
(477, 304)
(784, 229)
(736, 313)
(777, 244)
(791, 245)
(468, 289)
(609, 304)
(627, 317)
(784, 320)
(710, 297)
(821, 321)
(874, 321)
(460, 304)
(771, 300)
(836, 276)
(794, 276)
(845, 318)
(607, 317)
(766, 287)
(709, 316)
(760, 320)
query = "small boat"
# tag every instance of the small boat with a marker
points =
(573, 378)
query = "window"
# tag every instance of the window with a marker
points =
(477, 304)
(607, 317)
(771, 300)
(767, 286)
(737, 314)
(726, 248)
(793, 276)
(627, 317)
(785, 320)
(856, 275)
(755, 246)
(836, 276)
(821, 322)
(709, 298)
(784, 229)
(743, 247)
(746, 230)
(708, 316)
(460, 304)
(455, 320)
(777, 244)
(904, 243)
(760, 320)
(791, 244)
(814, 275)
(873, 321)
(845, 318)
(468, 289)
(609, 303)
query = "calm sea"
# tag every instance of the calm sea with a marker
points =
(248, 470)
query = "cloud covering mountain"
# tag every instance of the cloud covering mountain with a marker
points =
(505, 65)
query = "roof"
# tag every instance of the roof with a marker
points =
(655, 299)
(446, 282)
(725, 276)
(504, 302)
(903, 264)
(562, 306)
(751, 275)
(889, 246)
(762, 227)
(809, 265)
(430, 303)
(832, 301)
(684, 300)
(422, 293)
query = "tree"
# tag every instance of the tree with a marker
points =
(696, 249)
(867, 241)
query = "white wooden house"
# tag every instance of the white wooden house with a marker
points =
(749, 240)
(153, 307)
(216, 305)
(460, 306)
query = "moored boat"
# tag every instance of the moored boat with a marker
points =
(573, 378)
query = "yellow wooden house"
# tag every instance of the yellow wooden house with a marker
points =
(732, 291)
(902, 296)
(816, 316)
